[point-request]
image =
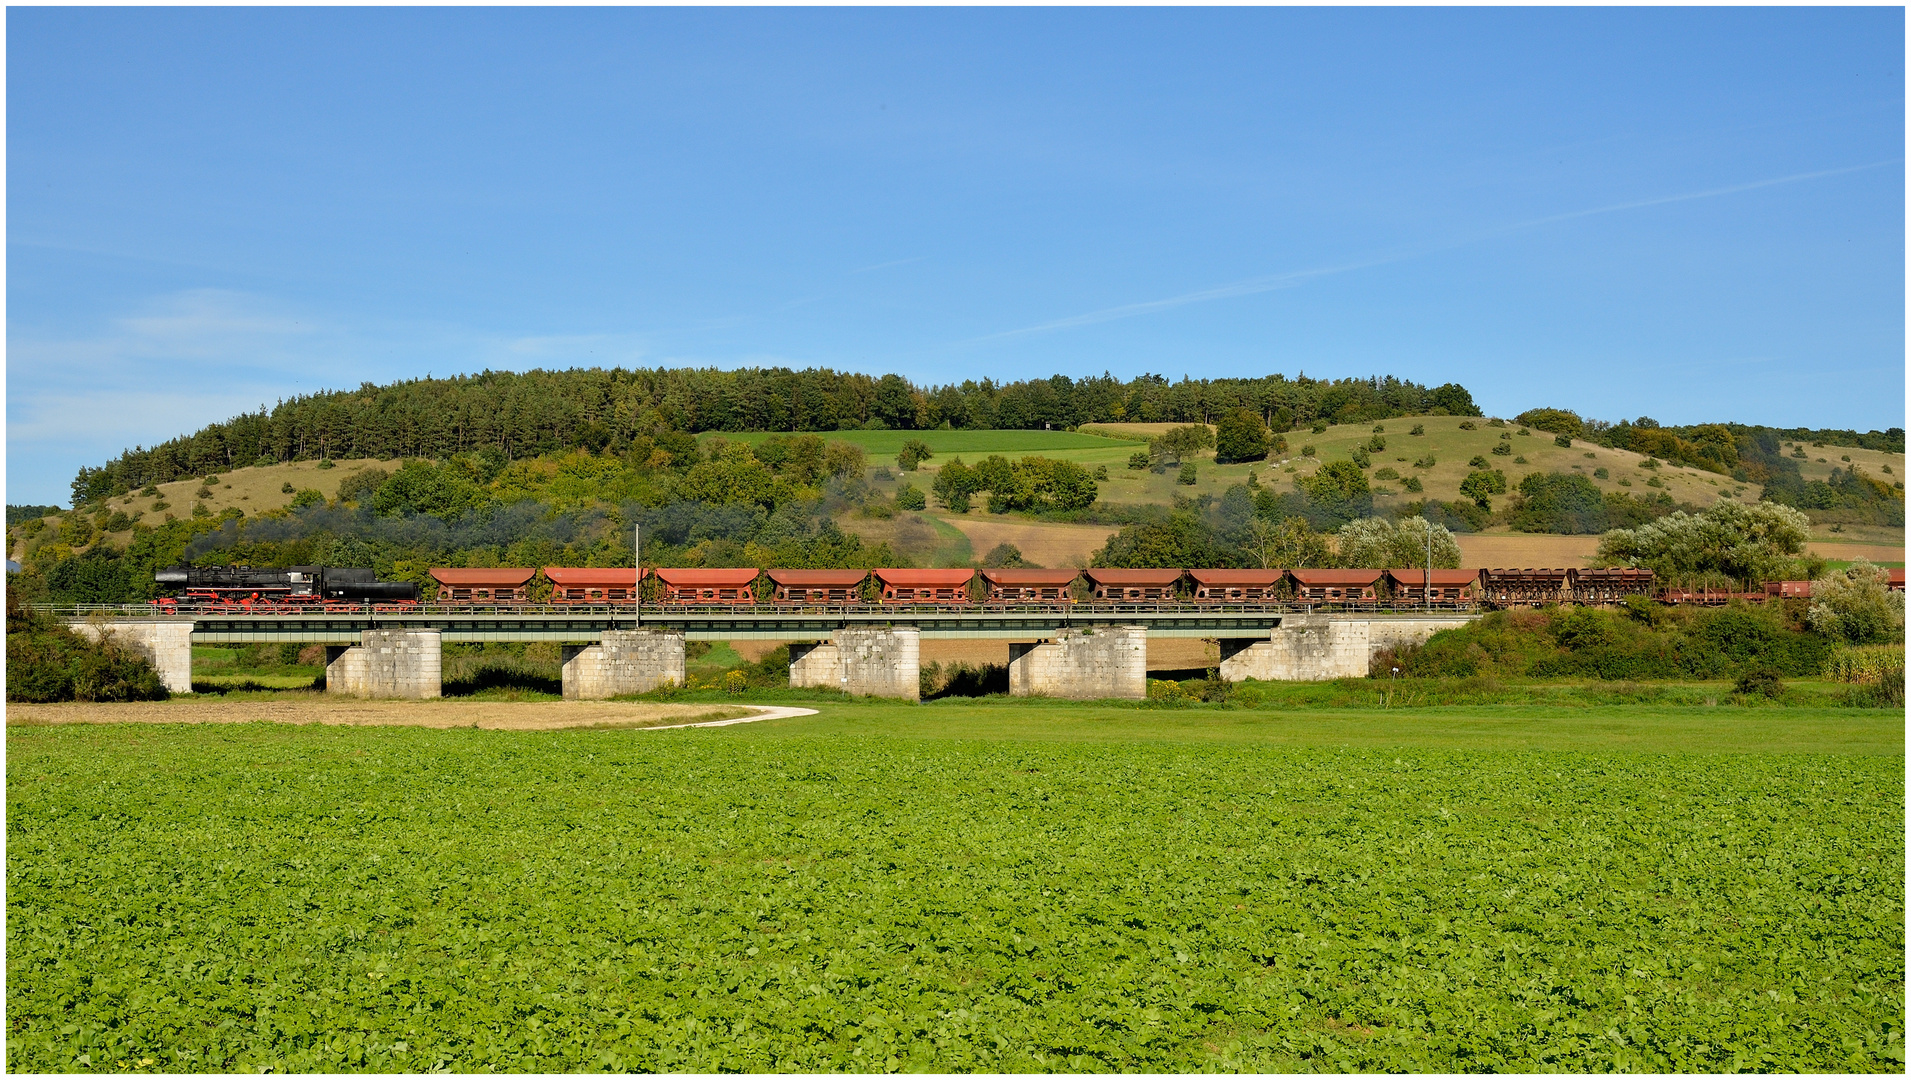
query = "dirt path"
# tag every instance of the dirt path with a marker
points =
(491, 715)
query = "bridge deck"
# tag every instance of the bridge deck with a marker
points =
(766, 622)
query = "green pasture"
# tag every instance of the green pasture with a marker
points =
(985, 885)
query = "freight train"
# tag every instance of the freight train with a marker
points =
(1409, 587)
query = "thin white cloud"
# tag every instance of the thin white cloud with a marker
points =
(1709, 193)
(1294, 279)
(887, 265)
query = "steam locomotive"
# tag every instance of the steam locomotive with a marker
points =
(294, 586)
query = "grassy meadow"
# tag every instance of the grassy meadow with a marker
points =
(1004, 886)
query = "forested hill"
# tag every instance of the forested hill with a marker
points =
(541, 412)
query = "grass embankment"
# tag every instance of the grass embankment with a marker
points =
(1105, 890)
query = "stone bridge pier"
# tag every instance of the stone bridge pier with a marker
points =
(872, 661)
(1094, 662)
(387, 664)
(624, 662)
(165, 642)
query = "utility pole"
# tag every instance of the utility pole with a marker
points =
(637, 582)
(1426, 597)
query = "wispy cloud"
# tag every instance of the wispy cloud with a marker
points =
(887, 265)
(1247, 287)
(1709, 193)
(1294, 279)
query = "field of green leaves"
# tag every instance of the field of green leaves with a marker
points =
(776, 897)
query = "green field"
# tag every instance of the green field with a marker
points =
(978, 885)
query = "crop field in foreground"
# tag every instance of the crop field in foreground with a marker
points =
(776, 896)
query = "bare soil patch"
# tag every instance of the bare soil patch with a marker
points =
(1846, 552)
(1047, 543)
(491, 715)
(1526, 550)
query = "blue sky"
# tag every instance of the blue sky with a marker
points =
(1690, 214)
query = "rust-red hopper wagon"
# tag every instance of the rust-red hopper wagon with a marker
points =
(591, 585)
(1786, 590)
(729, 585)
(1418, 585)
(1235, 586)
(1510, 588)
(818, 586)
(483, 585)
(1130, 586)
(1026, 586)
(1895, 579)
(1334, 586)
(925, 586)
(1611, 584)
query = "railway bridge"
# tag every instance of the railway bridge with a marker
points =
(1056, 650)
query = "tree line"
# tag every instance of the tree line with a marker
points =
(522, 415)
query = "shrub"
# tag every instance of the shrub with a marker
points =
(203, 492)
(1499, 450)
(1478, 461)
(1319, 428)
(1413, 484)
(1386, 474)
(910, 497)
(914, 453)
(1240, 436)
(1418, 429)
(48, 662)
(1467, 425)
(1359, 456)
(1307, 451)
(1186, 475)
(149, 491)
(1004, 556)
(1101, 472)
(1563, 440)
(1601, 473)
(1481, 485)
(288, 489)
(306, 497)
(355, 487)
(1761, 682)
(1857, 606)
(1425, 461)
(326, 463)
(1139, 460)
(1377, 444)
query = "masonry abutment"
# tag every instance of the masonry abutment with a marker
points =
(1315, 648)
(624, 662)
(167, 643)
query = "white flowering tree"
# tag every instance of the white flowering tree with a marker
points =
(1383, 543)
(1857, 606)
(1730, 543)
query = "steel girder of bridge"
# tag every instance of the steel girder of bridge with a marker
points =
(760, 622)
